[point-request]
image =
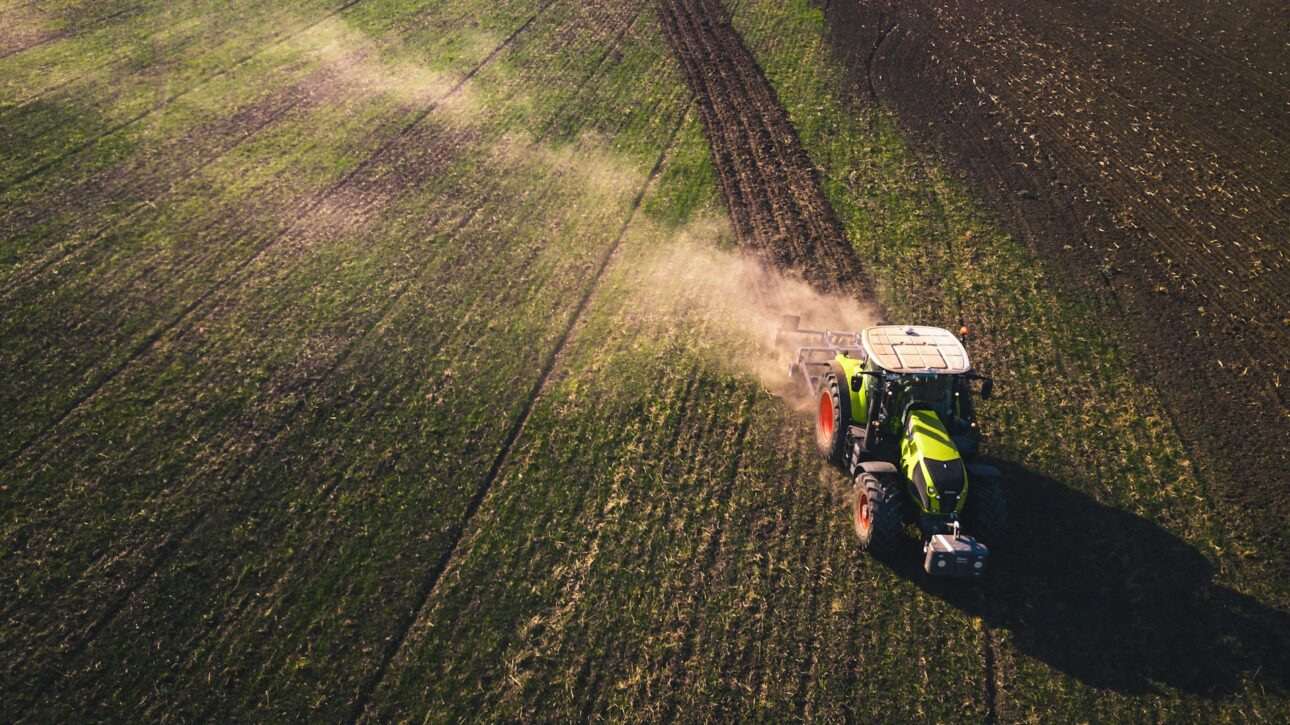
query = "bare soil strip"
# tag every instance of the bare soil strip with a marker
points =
(770, 187)
(1146, 157)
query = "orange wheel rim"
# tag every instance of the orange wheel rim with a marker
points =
(863, 513)
(825, 427)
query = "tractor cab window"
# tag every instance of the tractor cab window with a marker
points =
(934, 390)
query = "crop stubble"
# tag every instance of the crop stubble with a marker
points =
(467, 337)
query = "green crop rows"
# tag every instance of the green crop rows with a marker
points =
(339, 382)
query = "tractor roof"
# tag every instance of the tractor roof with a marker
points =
(906, 349)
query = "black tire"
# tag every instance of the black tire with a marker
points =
(830, 427)
(985, 512)
(878, 514)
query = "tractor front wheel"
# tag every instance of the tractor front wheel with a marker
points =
(985, 512)
(878, 513)
(830, 428)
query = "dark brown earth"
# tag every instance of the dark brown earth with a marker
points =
(770, 187)
(1145, 152)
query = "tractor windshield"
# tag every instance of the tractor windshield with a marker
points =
(934, 390)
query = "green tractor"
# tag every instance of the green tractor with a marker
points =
(894, 409)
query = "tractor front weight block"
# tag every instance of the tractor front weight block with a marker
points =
(954, 555)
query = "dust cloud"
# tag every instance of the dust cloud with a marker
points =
(729, 293)
(587, 165)
(364, 70)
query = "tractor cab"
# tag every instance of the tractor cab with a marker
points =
(910, 368)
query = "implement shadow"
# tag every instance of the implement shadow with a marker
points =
(1114, 600)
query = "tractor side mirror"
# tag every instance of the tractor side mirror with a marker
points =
(987, 388)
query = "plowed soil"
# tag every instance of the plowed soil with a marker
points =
(1146, 152)
(770, 187)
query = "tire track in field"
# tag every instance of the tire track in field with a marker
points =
(301, 214)
(770, 186)
(117, 128)
(508, 445)
(990, 655)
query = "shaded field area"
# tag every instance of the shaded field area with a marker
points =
(1144, 149)
(390, 359)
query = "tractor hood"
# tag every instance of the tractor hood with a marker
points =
(932, 464)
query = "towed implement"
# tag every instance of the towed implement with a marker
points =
(894, 409)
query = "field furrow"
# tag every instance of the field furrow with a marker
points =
(754, 148)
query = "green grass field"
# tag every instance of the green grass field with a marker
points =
(341, 382)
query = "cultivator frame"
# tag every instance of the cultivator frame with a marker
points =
(813, 362)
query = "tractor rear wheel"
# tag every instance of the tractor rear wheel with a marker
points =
(878, 514)
(830, 428)
(985, 512)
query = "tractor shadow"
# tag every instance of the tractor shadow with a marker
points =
(1114, 600)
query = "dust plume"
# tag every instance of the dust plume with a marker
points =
(730, 295)
(587, 166)
(364, 69)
